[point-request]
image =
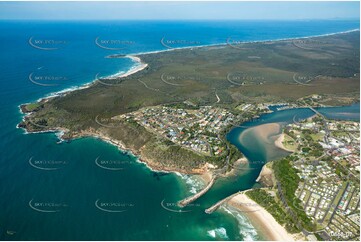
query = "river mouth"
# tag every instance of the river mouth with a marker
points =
(256, 140)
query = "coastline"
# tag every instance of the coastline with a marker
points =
(150, 164)
(279, 143)
(260, 218)
(142, 65)
(224, 44)
(139, 66)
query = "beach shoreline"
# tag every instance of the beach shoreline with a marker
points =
(135, 57)
(224, 44)
(140, 65)
(279, 143)
(260, 218)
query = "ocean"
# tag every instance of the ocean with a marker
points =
(80, 200)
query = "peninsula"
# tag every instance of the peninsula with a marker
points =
(174, 109)
(206, 90)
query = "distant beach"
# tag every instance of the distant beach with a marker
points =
(137, 67)
(140, 65)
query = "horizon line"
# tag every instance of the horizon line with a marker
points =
(185, 19)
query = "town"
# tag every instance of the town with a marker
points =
(327, 160)
(195, 129)
(326, 156)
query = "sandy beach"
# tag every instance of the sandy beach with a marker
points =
(206, 176)
(260, 218)
(266, 176)
(279, 143)
(138, 67)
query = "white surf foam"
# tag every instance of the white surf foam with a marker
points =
(246, 229)
(218, 233)
(193, 182)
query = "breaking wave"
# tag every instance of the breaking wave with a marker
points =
(246, 229)
(218, 233)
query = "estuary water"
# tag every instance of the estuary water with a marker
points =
(52, 191)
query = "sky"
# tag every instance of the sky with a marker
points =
(179, 10)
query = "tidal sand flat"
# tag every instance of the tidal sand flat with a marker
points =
(262, 139)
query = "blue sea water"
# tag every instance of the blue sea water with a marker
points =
(72, 194)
